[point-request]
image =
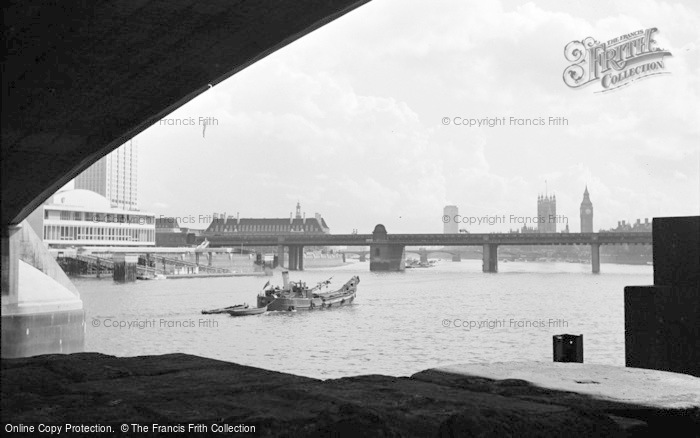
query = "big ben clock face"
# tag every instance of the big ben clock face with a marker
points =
(588, 211)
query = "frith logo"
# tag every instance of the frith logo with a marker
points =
(615, 63)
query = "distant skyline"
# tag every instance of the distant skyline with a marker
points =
(348, 120)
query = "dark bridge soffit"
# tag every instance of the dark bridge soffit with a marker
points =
(82, 78)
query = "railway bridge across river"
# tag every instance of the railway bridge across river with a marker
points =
(388, 251)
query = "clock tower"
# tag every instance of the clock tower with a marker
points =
(586, 213)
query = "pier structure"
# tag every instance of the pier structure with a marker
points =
(126, 264)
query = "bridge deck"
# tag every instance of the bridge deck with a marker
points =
(433, 239)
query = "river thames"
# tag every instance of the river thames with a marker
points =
(400, 323)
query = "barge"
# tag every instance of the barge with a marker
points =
(298, 296)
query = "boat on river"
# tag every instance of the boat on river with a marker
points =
(225, 309)
(298, 296)
(245, 311)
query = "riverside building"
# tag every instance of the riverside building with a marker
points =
(224, 225)
(85, 218)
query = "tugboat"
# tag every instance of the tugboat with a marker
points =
(297, 296)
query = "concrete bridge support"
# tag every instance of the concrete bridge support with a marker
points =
(456, 257)
(10, 264)
(363, 257)
(280, 257)
(196, 258)
(595, 258)
(210, 256)
(291, 265)
(387, 257)
(41, 309)
(423, 256)
(490, 258)
(124, 267)
(296, 258)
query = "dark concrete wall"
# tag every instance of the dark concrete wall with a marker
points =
(662, 322)
(676, 253)
(82, 78)
(662, 329)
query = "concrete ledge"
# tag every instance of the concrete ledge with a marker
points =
(642, 387)
(462, 400)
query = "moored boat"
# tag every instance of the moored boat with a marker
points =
(225, 309)
(245, 311)
(298, 296)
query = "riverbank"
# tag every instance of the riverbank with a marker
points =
(508, 399)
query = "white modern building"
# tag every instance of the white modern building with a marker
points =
(84, 218)
(114, 176)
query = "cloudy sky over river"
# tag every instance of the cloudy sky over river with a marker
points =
(349, 121)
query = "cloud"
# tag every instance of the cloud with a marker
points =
(348, 121)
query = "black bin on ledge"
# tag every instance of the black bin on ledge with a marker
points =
(568, 348)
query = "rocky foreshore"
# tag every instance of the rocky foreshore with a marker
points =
(463, 400)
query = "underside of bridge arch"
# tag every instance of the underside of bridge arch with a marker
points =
(82, 78)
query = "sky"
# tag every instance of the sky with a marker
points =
(348, 121)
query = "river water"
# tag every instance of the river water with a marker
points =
(399, 324)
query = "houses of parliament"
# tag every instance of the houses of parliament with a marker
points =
(547, 213)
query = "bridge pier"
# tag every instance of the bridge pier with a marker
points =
(490, 258)
(385, 256)
(343, 257)
(280, 256)
(124, 267)
(423, 254)
(11, 244)
(210, 256)
(48, 323)
(363, 257)
(196, 258)
(292, 265)
(456, 257)
(595, 258)
(296, 258)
